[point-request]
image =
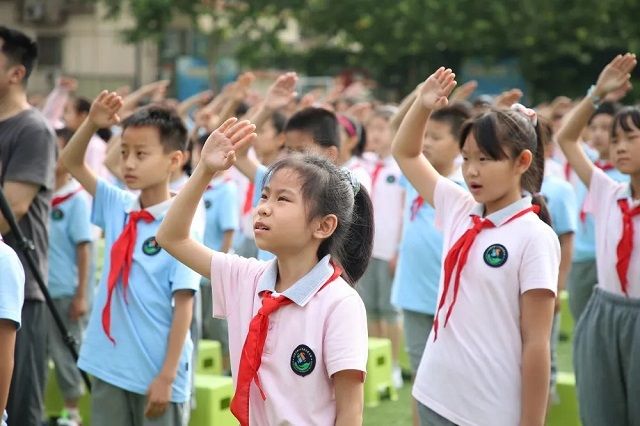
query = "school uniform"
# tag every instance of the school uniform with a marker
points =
(415, 285)
(128, 353)
(11, 292)
(321, 331)
(606, 339)
(69, 226)
(562, 205)
(584, 274)
(358, 167)
(471, 374)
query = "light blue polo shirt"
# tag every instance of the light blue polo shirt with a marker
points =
(222, 211)
(415, 285)
(561, 202)
(69, 225)
(584, 245)
(141, 325)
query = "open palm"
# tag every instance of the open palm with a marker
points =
(218, 152)
(436, 89)
(282, 91)
(104, 110)
(616, 74)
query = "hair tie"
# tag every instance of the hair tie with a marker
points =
(347, 125)
(348, 176)
(528, 113)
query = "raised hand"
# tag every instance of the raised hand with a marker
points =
(435, 91)
(464, 91)
(240, 87)
(508, 98)
(615, 76)
(104, 110)
(68, 83)
(219, 151)
(282, 91)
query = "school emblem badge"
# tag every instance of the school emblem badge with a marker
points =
(207, 204)
(303, 360)
(150, 247)
(57, 214)
(496, 255)
(391, 179)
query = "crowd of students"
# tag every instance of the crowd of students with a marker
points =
(291, 229)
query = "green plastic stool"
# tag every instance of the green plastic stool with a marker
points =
(379, 373)
(566, 320)
(565, 413)
(53, 402)
(209, 357)
(213, 398)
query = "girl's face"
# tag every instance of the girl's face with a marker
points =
(600, 133)
(625, 150)
(494, 183)
(72, 118)
(347, 144)
(379, 136)
(440, 146)
(280, 220)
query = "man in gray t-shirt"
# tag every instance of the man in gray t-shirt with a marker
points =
(27, 163)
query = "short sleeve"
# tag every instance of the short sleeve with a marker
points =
(232, 278)
(12, 288)
(108, 198)
(601, 190)
(451, 202)
(564, 212)
(184, 278)
(540, 262)
(261, 173)
(80, 224)
(34, 156)
(346, 348)
(229, 208)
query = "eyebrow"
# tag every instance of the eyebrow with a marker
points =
(267, 188)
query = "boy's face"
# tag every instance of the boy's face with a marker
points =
(600, 132)
(625, 150)
(379, 136)
(440, 146)
(145, 163)
(268, 141)
(297, 141)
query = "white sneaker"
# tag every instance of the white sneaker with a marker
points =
(396, 377)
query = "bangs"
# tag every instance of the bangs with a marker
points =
(484, 131)
(628, 119)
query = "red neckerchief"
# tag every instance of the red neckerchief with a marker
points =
(416, 205)
(56, 201)
(251, 356)
(625, 245)
(121, 260)
(457, 255)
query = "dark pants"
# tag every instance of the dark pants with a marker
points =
(26, 405)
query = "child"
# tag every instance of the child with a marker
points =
(584, 276)
(304, 363)
(387, 196)
(140, 356)
(488, 363)
(353, 138)
(11, 299)
(415, 286)
(605, 347)
(70, 239)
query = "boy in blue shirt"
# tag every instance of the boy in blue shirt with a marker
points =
(69, 264)
(415, 286)
(137, 344)
(11, 299)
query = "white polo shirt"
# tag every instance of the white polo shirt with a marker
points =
(387, 196)
(329, 326)
(608, 223)
(472, 374)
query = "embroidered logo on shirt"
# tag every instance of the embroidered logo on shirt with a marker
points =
(150, 247)
(57, 214)
(495, 255)
(391, 179)
(207, 204)
(303, 360)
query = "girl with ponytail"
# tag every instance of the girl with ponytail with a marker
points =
(487, 359)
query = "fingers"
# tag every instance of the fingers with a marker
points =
(227, 124)
(449, 87)
(102, 95)
(246, 140)
(240, 130)
(155, 409)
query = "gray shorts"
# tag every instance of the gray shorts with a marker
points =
(582, 278)
(428, 417)
(606, 358)
(417, 327)
(111, 406)
(67, 373)
(375, 289)
(212, 328)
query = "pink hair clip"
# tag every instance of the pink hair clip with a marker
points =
(528, 113)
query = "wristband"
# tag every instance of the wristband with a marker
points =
(595, 99)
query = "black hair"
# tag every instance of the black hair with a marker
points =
(241, 109)
(607, 108)
(105, 134)
(279, 121)
(320, 123)
(505, 134)
(19, 49)
(360, 131)
(328, 189)
(81, 105)
(626, 115)
(173, 133)
(454, 114)
(65, 134)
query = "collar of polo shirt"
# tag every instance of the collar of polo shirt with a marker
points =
(499, 217)
(158, 211)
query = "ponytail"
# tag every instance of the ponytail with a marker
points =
(533, 182)
(355, 252)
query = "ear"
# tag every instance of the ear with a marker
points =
(523, 162)
(17, 74)
(325, 226)
(176, 158)
(332, 153)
